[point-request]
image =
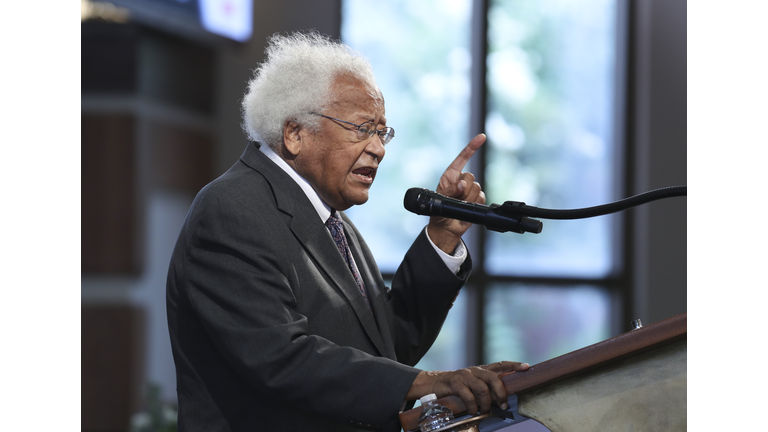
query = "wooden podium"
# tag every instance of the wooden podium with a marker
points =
(636, 381)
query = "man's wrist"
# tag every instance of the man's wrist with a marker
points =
(452, 260)
(421, 386)
(443, 239)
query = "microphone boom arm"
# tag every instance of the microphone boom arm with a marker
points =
(515, 216)
(519, 208)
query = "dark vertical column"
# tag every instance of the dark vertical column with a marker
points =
(657, 157)
(478, 102)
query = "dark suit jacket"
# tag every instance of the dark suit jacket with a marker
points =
(267, 326)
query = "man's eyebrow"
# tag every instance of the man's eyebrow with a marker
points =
(367, 118)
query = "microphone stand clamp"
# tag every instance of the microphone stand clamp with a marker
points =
(510, 210)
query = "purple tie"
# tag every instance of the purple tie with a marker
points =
(336, 226)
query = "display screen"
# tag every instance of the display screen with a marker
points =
(232, 19)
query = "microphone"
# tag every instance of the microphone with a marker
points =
(494, 217)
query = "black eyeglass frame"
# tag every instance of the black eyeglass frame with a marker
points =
(385, 135)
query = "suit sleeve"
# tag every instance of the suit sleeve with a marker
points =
(423, 291)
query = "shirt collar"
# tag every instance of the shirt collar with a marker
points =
(323, 210)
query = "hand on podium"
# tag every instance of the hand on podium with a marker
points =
(477, 386)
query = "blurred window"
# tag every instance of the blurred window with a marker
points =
(549, 126)
(421, 60)
(549, 118)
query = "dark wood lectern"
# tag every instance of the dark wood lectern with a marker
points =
(635, 381)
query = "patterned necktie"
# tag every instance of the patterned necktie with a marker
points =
(336, 226)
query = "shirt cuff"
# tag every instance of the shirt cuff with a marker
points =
(454, 261)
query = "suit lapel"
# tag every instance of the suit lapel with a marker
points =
(374, 285)
(316, 239)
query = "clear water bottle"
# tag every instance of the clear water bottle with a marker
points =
(433, 415)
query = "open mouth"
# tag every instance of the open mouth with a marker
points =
(365, 174)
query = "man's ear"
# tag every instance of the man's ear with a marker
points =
(292, 139)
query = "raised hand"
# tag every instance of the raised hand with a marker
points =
(446, 233)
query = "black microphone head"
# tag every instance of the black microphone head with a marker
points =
(416, 200)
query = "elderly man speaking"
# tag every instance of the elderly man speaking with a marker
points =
(279, 318)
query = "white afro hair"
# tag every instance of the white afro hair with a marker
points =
(294, 80)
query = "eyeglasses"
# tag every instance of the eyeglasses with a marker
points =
(367, 129)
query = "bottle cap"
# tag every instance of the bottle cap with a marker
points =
(427, 398)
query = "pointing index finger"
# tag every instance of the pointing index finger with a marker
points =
(463, 157)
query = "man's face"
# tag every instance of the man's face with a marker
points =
(338, 165)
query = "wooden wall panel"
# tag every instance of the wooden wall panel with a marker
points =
(109, 195)
(112, 350)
